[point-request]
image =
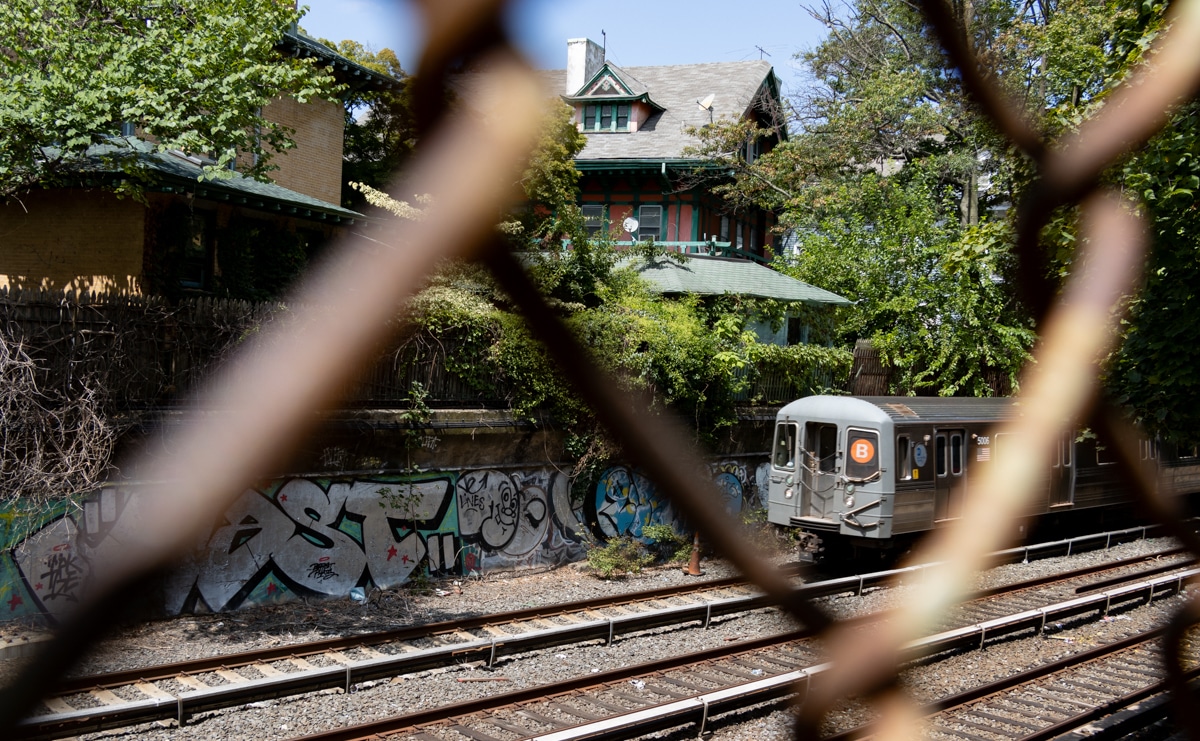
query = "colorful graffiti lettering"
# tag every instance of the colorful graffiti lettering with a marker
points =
(319, 536)
(624, 502)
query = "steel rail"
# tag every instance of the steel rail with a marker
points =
(828, 587)
(258, 656)
(487, 650)
(993, 688)
(700, 706)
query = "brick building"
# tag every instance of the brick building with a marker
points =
(189, 236)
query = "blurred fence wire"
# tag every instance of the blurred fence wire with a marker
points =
(470, 166)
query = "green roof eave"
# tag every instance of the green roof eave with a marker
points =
(587, 99)
(169, 172)
(646, 163)
(346, 70)
(276, 199)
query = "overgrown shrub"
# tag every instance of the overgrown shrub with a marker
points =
(673, 547)
(618, 556)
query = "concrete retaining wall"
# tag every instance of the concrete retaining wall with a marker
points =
(511, 506)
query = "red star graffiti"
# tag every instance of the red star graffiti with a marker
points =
(405, 558)
(38, 586)
(15, 602)
(271, 588)
(391, 552)
(283, 497)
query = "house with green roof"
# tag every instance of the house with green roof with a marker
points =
(808, 308)
(186, 234)
(638, 178)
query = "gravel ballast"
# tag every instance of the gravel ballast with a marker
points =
(196, 636)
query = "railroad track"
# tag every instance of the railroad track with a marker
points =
(177, 691)
(1106, 692)
(695, 688)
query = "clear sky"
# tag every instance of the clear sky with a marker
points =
(639, 32)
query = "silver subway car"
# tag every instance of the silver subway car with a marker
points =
(875, 472)
(866, 471)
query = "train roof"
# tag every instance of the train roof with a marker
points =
(904, 408)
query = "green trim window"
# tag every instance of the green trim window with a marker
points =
(593, 218)
(606, 117)
(649, 222)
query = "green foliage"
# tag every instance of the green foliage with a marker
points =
(551, 186)
(618, 557)
(808, 369)
(259, 260)
(691, 357)
(380, 131)
(672, 545)
(891, 175)
(1156, 372)
(931, 294)
(190, 74)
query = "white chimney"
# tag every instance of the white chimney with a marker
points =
(584, 59)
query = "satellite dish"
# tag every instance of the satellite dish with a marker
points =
(630, 224)
(706, 104)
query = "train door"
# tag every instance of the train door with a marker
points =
(1062, 475)
(820, 469)
(950, 469)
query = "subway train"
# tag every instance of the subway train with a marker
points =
(854, 474)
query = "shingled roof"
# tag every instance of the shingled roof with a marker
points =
(715, 276)
(678, 88)
(176, 172)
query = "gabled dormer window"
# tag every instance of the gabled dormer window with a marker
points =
(606, 117)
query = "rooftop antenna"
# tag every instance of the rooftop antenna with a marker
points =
(761, 51)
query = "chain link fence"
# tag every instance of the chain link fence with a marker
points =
(470, 166)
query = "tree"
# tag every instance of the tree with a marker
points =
(187, 74)
(380, 129)
(897, 188)
(1155, 372)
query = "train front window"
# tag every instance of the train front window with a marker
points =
(940, 455)
(862, 459)
(785, 445)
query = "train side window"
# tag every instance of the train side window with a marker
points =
(1187, 453)
(939, 455)
(1148, 449)
(956, 454)
(1067, 450)
(1000, 443)
(903, 458)
(785, 445)
(1104, 456)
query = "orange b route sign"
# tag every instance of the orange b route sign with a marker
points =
(862, 451)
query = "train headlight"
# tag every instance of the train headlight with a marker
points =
(787, 493)
(849, 501)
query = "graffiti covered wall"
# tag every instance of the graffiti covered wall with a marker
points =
(321, 537)
(624, 501)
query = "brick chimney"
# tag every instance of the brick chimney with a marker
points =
(584, 59)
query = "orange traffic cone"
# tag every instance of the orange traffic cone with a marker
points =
(693, 567)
